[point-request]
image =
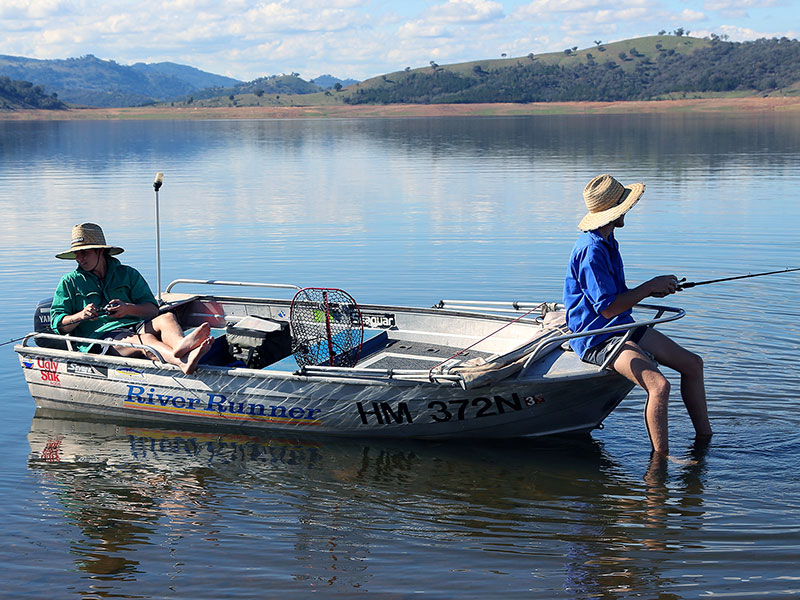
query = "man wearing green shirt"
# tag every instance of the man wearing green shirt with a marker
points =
(104, 299)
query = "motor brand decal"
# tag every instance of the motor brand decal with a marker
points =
(48, 370)
(378, 320)
(211, 404)
(87, 370)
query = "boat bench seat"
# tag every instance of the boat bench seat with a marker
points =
(388, 353)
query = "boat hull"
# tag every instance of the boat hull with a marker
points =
(245, 399)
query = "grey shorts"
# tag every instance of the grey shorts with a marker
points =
(598, 354)
(119, 334)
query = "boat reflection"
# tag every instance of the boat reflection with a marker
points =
(560, 504)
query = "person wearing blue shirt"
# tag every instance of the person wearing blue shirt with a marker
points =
(596, 295)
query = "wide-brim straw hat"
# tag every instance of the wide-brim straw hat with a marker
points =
(87, 236)
(607, 200)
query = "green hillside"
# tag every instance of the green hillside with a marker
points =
(647, 68)
(16, 95)
(640, 69)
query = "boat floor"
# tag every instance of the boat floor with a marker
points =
(400, 354)
(382, 352)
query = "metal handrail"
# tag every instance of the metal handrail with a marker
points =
(69, 339)
(287, 286)
(511, 307)
(402, 374)
(660, 310)
(618, 347)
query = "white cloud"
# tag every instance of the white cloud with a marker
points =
(736, 5)
(422, 29)
(743, 34)
(545, 7)
(33, 9)
(692, 15)
(466, 11)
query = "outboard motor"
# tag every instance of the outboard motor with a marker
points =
(41, 324)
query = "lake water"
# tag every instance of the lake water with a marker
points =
(412, 211)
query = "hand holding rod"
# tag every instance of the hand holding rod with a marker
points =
(691, 284)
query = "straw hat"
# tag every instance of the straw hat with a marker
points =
(87, 236)
(607, 200)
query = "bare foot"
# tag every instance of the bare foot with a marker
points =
(194, 356)
(192, 340)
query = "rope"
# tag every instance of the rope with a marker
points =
(486, 337)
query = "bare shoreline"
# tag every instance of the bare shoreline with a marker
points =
(786, 104)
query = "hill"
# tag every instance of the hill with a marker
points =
(190, 75)
(648, 68)
(91, 81)
(269, 87)
(15, 95)
(640, 69)
(328, 82)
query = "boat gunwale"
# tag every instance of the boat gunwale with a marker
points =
(355, 375)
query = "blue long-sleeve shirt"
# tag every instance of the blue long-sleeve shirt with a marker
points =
(595, 277)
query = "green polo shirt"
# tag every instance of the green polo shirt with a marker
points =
(79, 288)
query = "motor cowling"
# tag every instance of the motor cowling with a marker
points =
(41, 324)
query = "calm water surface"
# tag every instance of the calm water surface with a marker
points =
(413, 211)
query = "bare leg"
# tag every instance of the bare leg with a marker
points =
(166, 328)
(187, 363)
(633, 364)
(690, 366)
(192, 340)
(195, 354)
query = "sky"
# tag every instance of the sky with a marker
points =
(358, 39)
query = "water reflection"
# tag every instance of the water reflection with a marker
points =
(565, 504)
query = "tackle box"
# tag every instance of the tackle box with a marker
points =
(259, 341)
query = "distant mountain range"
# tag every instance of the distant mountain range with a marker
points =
(91, 81)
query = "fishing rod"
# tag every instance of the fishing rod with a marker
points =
(102, 311)
(691, 284)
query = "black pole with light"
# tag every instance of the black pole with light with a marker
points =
(157, 182)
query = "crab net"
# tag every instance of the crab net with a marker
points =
(327, 328)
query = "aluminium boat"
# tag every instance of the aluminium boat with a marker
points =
(456, 370)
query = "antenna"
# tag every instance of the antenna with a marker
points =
(157, 182)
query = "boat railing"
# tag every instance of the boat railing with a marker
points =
(543, 346)
(69, 339)
(366, 373)
(503, 307)
(285, 286)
